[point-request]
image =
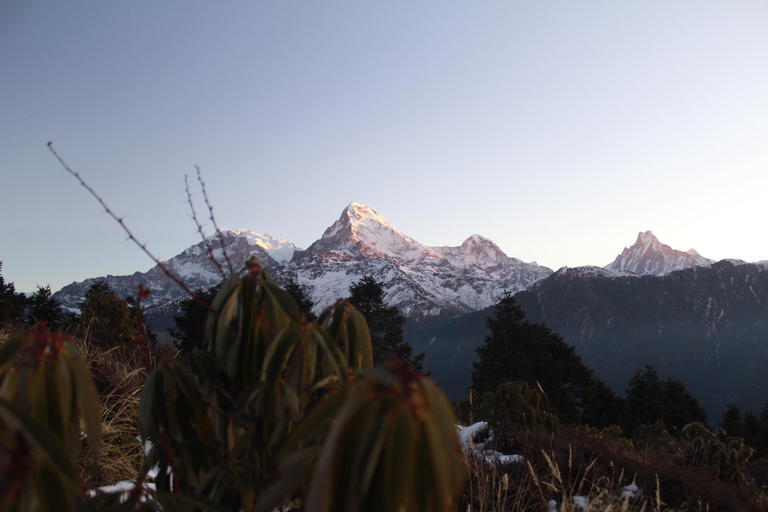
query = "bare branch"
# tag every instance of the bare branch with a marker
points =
(213, 220)
(119, 220)
(206, 242)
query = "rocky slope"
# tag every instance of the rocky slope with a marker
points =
(706, 325)
(194, 266)
(649, 256)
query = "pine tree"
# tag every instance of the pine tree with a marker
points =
(385, 322)
(517, 350)
(42, 306)
(106, 317)
(304, 303)
(190, 324)
(12, 303)
(649, 399)
(643, 398)
(732, 421)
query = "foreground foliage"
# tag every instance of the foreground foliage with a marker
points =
(276, 410)
(685, 470)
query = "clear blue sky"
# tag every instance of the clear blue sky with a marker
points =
(557, 129)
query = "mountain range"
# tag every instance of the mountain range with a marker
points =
(694, 319)
(421, 280)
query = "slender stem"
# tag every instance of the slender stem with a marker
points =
(213, 220)
(206, 242)
(119, 220)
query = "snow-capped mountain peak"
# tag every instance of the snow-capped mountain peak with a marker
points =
(649, 256)
(280, 250)
(419, 279)
(362, 231)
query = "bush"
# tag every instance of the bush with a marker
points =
(276, 410)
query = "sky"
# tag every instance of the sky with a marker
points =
(558, 129)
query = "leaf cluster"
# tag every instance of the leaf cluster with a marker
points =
(278, 409)
(46, 390)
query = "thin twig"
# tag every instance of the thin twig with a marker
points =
(213, 220)
(119, 220)
(206, 242)
(143, 341)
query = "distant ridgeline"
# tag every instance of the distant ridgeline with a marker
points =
(695, 320)
(706, 326)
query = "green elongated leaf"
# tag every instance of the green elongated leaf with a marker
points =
(52, 494)
(294, 472)
(240, 361)
(247, 396)
(292, 402)
(333, 360)
(441, 465)
(380, 376)
(87, 399)
(37, 393)
(147, 405)
(276, 359)
(281, 298)
(360, 348)
(65, 383)
(11, 348)
(188, 388)
(53, 404)
(43, 440)
(331, 319)
(371, 454)
(227, 289)
(325, 383)
(24, 375)
(320, 493)
(315, 425)
(444, 420)
(169, 398)
(424, 476)
(224, 326)
(397, 463)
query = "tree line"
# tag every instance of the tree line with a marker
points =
(517, 350)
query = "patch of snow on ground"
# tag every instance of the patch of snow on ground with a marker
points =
(476, 438)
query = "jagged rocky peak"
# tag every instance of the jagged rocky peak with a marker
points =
(279, 249)
(649, 256)
(474, 251)
(361, 231)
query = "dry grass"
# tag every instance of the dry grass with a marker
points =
(119, 375)
(523, 487)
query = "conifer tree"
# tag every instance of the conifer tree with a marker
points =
(106, 316)
(12, 303)
(649, 399)
(42, 306)
(190, 324)
(517, 350)
(304, 303)
(385, 322)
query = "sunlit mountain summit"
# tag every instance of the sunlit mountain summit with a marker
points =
(419, 279)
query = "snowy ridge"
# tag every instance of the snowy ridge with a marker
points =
(280, 250)
(361, 231)
(593, 271)
(193, 266)
(649, 256)
(420, 280)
